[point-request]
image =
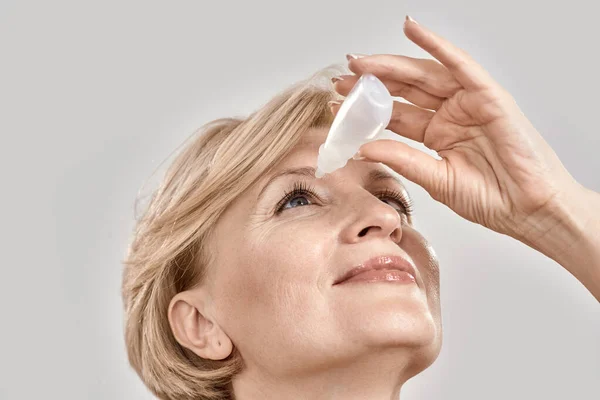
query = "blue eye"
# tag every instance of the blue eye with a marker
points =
(299, 191)
(294, 198)
(302, 191)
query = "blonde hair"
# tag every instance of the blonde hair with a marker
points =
(169, 253)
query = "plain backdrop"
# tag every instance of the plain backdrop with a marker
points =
(94, 96)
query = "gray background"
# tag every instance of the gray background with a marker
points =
(94, 96)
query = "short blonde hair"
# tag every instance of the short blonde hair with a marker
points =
(169, 254)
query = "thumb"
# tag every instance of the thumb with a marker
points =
(413, 164)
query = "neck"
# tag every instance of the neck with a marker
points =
(378, 377)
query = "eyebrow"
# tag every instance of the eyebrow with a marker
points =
(374, 175)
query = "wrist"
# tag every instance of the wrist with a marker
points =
(558, 228)
(568, 231)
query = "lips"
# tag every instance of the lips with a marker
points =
(382, 262)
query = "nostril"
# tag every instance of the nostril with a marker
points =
(363, 232)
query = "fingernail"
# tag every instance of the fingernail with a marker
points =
(354, 56)
(409, 18)
(332, 103)
(336, 78)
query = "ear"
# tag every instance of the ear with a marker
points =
(194, 328)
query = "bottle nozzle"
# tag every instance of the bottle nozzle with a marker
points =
(319, 173)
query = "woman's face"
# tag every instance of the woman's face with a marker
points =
(272, 286)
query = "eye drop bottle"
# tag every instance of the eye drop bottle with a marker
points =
(365, 113)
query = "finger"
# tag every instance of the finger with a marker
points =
(426, 74)
(468, 73)
(410, 121)
(413, 164)
(407, 120)
(398, 89)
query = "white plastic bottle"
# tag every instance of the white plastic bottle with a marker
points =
(365, 113)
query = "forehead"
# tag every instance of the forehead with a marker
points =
(305, 153)
(313, 138)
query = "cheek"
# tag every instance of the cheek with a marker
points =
(274, 278)
(426, 260)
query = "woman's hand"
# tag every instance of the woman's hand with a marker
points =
(496, 169)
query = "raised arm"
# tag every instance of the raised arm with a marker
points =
(495, 168)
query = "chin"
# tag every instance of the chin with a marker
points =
(403, 329)
(423, 357)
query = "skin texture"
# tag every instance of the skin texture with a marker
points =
(272, 292)
(495, 169)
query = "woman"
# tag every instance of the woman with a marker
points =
(239, 281)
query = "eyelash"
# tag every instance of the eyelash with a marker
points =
(301, 188)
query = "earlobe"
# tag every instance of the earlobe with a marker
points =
(195, 329)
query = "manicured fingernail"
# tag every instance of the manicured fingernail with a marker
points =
(409, 18)
(354, 56)
(336, 78)
(332, 103)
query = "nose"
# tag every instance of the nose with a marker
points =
(374, 219)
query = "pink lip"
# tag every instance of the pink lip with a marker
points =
(381, 268)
